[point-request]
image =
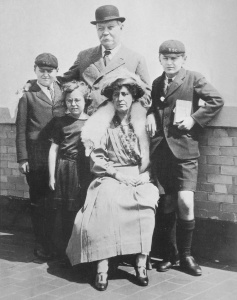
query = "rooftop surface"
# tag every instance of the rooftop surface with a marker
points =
(22, 277)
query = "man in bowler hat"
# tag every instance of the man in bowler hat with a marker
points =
(93, 64)
(36, 108)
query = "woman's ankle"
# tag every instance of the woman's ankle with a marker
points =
(102, 266)
(141, 260)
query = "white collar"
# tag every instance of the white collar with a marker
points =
(45, 88)
(113, 51)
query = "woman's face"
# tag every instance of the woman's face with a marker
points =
(75, 103)
(122, 99)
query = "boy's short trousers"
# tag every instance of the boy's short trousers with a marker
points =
(173, 174)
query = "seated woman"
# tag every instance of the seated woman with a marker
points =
(119, 212)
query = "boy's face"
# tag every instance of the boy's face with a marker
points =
(172, 63)
(75, 102)
(46, 75)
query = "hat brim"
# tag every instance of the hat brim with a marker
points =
(108, 90)
(121, 19)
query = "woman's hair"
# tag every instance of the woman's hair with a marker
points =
(133, 87)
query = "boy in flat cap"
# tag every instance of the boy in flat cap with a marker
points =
(36, 108)
(174, 122)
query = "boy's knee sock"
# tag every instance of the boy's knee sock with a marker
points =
(184, 236)
(168, 224)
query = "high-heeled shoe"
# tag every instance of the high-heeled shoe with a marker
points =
(141, 275)
(101, 281)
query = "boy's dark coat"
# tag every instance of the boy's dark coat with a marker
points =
(190, 86)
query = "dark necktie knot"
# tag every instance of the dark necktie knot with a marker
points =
(107, 53)
(167, 82)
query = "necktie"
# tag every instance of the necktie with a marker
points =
(51, 93)
(106, 57)
(166, 84)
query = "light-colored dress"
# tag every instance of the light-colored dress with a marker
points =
(117, 219)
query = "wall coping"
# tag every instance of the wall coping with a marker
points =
(226, 118)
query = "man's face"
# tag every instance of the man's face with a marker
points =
(172, 63)
(46, 75)
(109, 33)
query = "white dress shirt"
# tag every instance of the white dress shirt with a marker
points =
(113, 51)
(46, 90)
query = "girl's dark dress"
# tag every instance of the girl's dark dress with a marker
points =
(72, 172)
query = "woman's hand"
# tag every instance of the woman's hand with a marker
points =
(128, 180)
(52, 183)
(143, 178)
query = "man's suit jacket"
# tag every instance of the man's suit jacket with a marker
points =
(89, 67)
(35, 111)
(190, 86)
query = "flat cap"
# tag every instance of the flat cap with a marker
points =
(46, 60)
(172, 47)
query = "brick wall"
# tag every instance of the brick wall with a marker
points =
(12, 182)
(217, 182)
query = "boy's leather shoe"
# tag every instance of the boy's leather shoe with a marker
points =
(189, 265)
(167, 265)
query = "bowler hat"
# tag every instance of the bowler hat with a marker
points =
(107, 13)
(172, 47)
(46, 60)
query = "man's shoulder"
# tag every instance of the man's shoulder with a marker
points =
(130, 52)
(89, 51)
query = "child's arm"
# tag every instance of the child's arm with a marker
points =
(186, 124)
(52, 164)
(151, 124)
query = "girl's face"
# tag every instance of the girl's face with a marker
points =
(75, 103)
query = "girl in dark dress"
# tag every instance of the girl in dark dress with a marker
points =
(69, 174)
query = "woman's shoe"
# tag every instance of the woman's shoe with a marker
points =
(141, 275)
(101, 281)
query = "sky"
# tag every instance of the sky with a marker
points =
(62, 27)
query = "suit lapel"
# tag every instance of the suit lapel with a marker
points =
(116, 62)
(57, 92)
(176, 83)
(98, 59)
(40, 94)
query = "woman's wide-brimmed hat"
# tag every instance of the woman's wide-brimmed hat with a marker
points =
(123, 78)
(107, 13)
